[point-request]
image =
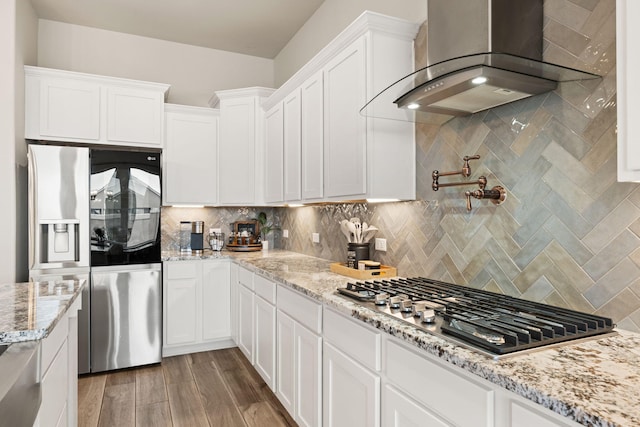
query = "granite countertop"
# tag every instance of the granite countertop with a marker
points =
(594, 382)
(29, 311)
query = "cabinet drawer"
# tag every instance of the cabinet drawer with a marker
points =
(305, 311)
(264, 288)
(52, 343)
(448, 391)
(181, 270)
(245, 277)
(353, 339)
(55, 387)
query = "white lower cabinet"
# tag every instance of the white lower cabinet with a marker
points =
(234, 301)
(246, 322)
(265, 350)
(398, 410)
(299, 368)
(350, 381)
(257, 323)
(351, 393)
(59, 372)
(197, 304)
(439, 388)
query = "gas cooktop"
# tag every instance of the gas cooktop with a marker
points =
(494, 324)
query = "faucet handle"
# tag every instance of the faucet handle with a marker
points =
(466, 169)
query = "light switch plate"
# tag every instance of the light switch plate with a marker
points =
(315, 237)
(381, 245)
(285, 233)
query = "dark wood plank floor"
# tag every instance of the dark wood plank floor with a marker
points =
(213, 388)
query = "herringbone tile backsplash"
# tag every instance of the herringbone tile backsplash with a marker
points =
(568, 233)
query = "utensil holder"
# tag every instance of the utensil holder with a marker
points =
(357, 252)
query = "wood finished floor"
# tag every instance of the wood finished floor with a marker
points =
(213, 388)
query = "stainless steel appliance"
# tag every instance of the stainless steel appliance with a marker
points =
(95, 215)
(59, 224)
(480, 54)
(126, 278)
(494, 324)
(125, 315)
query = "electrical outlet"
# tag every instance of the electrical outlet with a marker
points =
(285, 234)
(381, 245)
(315, 237)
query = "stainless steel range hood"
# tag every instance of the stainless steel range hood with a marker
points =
(480, 54)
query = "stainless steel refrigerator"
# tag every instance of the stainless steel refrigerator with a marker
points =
(95, 214)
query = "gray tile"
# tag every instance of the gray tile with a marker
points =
(567, 13)
(612, 283)
(568, 240)
(532, 248)
(569, 217)
(612, 225)
(620, 247)
(570, 39)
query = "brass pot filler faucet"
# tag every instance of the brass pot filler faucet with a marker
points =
(497, 194)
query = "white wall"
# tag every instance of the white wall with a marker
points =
(26, 54)
(329, 20)
(18, 28)
(7, 136)
(194, 73)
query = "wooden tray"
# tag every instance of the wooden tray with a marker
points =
(384, 271)
(244, 248)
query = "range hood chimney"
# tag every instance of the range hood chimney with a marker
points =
(480, 54)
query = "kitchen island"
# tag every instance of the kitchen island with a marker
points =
(593, 382)
(38, 326)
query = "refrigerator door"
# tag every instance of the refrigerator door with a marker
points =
(125, 202)
(126, 316)
(58, 207)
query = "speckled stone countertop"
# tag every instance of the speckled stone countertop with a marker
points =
(594, 382)
(29, 311)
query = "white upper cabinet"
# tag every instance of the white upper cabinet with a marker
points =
(76, 107)
(292, 147)
(241, 146)
(190, 155)
(312, 137)
(628, 89)
(345, 137)
(343, 154)
(274, 156)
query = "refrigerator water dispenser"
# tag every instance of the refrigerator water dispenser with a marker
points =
(62, 241)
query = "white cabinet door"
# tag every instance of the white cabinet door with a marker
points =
(628, 89)
(216, 300)
(265, 341)
(234, 301)
(312, 140)
(344, 128)
(69, 109)
(274, 157)
(246, 322)
(308, 368)
(134, 116)
(292, 147)
(236, 166)
(181, 311)
(400, 411)
(351, 393)
(286, 367)
(190, 156)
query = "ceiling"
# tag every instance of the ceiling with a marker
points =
(253, 27)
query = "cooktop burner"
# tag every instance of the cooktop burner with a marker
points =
(495, 323)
